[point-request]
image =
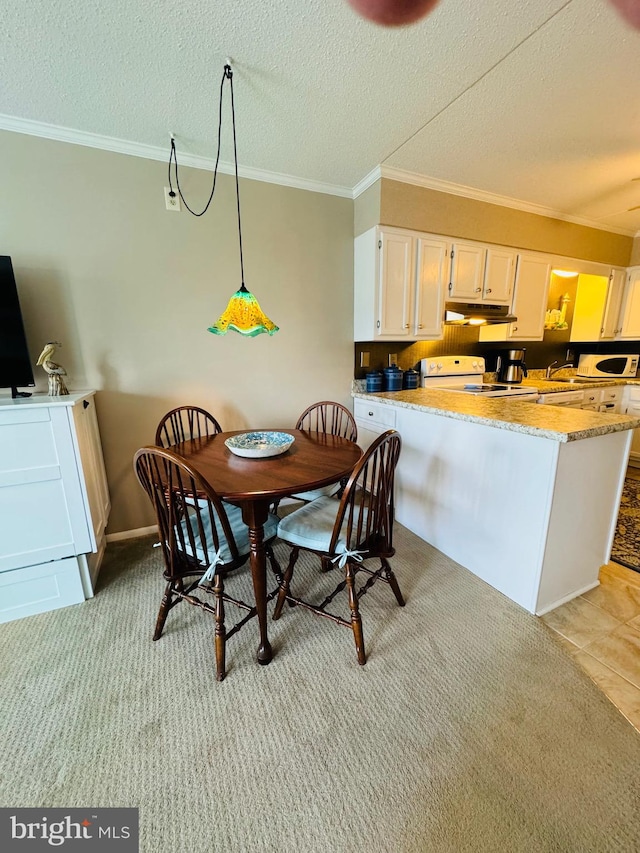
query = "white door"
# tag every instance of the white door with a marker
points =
(499, 276)
(396, 284)
(467, 272)
(432, 268)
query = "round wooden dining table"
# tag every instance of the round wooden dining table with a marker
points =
(314, 459)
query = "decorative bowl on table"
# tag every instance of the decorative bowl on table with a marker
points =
(259, 445)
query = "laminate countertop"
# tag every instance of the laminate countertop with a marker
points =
(553, 422)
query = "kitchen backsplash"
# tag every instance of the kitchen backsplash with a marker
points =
(463, 340)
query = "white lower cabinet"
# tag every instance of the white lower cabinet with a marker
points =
(54, 503)
(372, 419)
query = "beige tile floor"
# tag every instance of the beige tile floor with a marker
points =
(601, 630)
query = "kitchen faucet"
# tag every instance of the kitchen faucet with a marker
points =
(550, 372)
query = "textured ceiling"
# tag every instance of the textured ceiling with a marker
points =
(535, 101)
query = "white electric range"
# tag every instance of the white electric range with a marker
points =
(463, 374)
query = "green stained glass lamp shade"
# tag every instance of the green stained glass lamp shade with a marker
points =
(243, 314)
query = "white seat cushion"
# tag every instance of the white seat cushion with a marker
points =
(311, 526)
(314, 494)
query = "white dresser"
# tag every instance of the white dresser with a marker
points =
(54, 502)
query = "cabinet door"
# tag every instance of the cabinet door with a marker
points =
(589, 307)
(396, 284)
(611, 325)
(94, 478)
(530, 298)
(42, 509)
(499, 276)
(630, 327)
(467, 272)
(432, 268)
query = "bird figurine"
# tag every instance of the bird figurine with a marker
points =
(55, 372)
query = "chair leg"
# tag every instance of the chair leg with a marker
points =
(165, 607)
(284, 586)
(393, 582)
(275, 565)
(325, 564)
(356, 620)
(220, 630)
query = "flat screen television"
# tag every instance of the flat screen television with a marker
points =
(15, 364)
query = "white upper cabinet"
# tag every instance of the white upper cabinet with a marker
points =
(481, 274)
(630, 325)
(499, 276)
(611, 324)
(396, 277)
(529, 302)
(467, 272)
(432, 267)
(596, 314)
(399, 284)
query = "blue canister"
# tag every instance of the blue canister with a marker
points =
(411, 379)
(392, 378)
(374, 381)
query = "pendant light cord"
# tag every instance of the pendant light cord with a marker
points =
(227, 74)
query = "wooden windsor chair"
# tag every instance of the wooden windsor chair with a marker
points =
(202, 538)
(348, 532)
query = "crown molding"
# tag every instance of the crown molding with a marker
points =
(152, 152)
(368, 181)
(492, 198)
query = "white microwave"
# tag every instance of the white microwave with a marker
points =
(607, 366)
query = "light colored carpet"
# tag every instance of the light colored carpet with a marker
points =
(469, 729)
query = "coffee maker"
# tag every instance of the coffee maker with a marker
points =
(510, 366)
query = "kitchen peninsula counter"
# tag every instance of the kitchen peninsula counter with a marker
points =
(523, 495)
(523, 416)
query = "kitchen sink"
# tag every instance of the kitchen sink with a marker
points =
(572, 380)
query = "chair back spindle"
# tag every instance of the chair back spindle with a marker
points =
(184, 423)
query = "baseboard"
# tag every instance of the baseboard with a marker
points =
(132, 534)
(570, 597)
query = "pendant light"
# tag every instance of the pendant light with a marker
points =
(243, 313)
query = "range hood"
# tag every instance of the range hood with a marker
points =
(474, 314)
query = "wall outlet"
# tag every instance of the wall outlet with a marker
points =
(364, 359)
(172, 202)
(571, 356)
(393, 358)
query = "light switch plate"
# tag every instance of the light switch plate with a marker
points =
(393, 358)
(364, 359)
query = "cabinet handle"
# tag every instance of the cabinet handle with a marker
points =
(420, 326)
(86, 404)
(370, 414)
(406, 325)
(477, 290)
(488, 290)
